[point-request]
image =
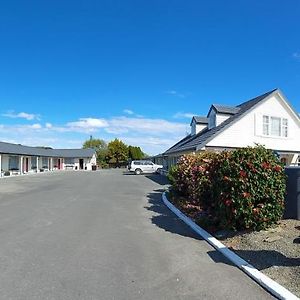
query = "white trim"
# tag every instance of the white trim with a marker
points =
(272, 286)
(284, 99)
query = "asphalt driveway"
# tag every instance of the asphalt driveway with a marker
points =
(105, 235)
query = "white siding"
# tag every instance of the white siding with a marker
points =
(248, 130)
(220, 118)
(215, 119)
(195, 128)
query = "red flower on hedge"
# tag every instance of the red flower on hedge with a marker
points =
(243, 173)
(277, 168)
(265, 165)
(228, 202)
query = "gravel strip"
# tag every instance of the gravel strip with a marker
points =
(275, 252)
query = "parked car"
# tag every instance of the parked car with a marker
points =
(144, 166)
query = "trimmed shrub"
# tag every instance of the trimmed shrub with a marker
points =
(248, 189)
(189, 175)
(241, 189)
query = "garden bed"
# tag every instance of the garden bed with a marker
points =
(275, 251)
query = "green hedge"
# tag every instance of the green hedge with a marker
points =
(240, 189)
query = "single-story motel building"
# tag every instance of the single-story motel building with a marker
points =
(268, 119)
(16, 159)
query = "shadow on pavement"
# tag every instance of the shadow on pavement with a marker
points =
(157, 178)
(168, 221)
(164, 218)
(263, 259)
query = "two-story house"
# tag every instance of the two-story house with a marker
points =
(268, 119)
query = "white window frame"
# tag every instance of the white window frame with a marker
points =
(284, 126)
(266, 122)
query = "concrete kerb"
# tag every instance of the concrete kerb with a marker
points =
(272, 286)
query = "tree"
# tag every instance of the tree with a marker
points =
(135, 153)
(117, 152)
(101, 149)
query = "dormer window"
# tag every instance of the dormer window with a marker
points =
(198, 124)
(219, 113)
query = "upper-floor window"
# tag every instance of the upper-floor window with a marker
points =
(266, 125)
(275, 126)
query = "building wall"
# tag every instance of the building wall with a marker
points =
(248, 130)
(195, 128)
(5, 161)
(220, 118)
(212, 119)
(87, 163)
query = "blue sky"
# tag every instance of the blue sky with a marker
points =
(138, 70)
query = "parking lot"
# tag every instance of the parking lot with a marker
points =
(105, 235)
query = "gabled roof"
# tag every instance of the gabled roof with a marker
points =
(18, 149)
(225, 109)
(204, 136)
(199, 120)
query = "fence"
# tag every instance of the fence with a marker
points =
(292, 199)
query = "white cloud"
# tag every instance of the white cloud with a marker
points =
(296, 55)
(181, 115)
(35, 126)
(22, 115)
(176, 94)
(86, 125)
(128, 111)
(144, 125)
(48, 125)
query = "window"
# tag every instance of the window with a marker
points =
(33, 162)
(285, 127)
(45, 162)
(275, 126)
(69, 161)
(266, 120)
(13, 163)
(283, 160)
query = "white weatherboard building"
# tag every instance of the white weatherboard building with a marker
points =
(268, 119)
(19, 159)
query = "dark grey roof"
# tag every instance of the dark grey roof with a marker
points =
(178, 145)
(204, 136)
(8, 148)
(73, 153)
(225, 109)
(200, 120)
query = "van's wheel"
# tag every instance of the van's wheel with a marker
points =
(138, 171)
(158, 171)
